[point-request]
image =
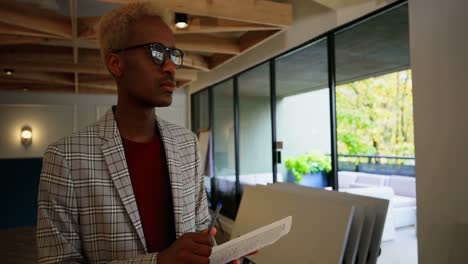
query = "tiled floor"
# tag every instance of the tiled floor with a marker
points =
(402, 250)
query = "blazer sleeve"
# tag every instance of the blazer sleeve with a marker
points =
(58, 231)
(202, 215)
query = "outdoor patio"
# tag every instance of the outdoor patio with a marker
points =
(402, 250)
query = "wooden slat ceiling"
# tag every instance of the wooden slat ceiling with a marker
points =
(53, 52)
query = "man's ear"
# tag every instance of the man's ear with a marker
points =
(115, 64)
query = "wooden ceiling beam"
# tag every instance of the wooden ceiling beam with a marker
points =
(25, 85)
(107, 86)
(45, 55)
(20, 31)
(218, 25)
(252, 11)
(195, 61)
(181, 74)
(28, 16)
(93, 78)
(40, 77)
(35, 53)
(219, 59)
(80, 43)
(97, 81)
(186, 42)
(254, 38)
(189, 42)
(91, 82)
(62, 67)
(206, 43)
(51, 66)
(191, 60)
(96, 90)
(15, 40)
(337, 4)
(88, 26)
(69, 83)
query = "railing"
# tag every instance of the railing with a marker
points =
(387, 165)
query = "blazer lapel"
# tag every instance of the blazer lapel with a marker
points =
(114, 156)
(173, 165)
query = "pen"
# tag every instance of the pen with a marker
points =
(213, 220)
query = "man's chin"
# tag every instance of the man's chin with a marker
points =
(163, 102)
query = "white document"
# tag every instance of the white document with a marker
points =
(250, 242)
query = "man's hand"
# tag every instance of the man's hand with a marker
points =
(190, 248)
(236, 261)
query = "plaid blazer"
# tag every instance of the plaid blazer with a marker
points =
(87, 212)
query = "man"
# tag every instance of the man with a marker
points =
(128, 188)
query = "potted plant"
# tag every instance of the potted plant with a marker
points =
(309, 169)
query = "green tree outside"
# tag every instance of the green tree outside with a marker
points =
(375, 116)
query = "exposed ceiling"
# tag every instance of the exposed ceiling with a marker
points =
(51, 44)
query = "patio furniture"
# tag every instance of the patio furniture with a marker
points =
(404, 189)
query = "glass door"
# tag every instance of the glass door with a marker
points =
(303, 116)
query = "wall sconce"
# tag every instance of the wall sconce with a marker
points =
(26, 136)
(181, 20)
(8, 71)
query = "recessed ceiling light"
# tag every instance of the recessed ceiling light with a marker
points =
(181, 20)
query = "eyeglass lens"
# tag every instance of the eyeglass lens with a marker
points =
(159, 53)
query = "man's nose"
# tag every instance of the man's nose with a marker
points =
(169, 67)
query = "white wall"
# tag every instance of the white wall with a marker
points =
(439, 55)
(48, 123)
(55, 115)
(50, 115)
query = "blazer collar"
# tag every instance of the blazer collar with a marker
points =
(173, 164)
(114, 155)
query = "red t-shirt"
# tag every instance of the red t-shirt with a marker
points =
(151, 185)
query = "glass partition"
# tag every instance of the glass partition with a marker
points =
(224, 147)
(255, 142)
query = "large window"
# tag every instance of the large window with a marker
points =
(374, 96)
(337, 106)
(303, 115)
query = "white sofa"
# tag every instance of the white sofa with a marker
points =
(404, 188)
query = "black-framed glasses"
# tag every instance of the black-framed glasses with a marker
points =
(159, 53)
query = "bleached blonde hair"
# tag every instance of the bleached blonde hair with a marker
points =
(114, 26)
